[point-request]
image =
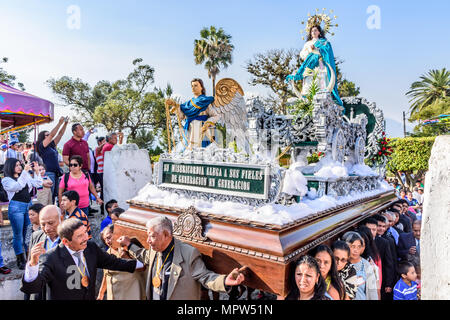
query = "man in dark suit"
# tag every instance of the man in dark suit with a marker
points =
(176, 269)
(49, 220)
(409, 245)
(382, 232)
(387, 264)
(70, 269)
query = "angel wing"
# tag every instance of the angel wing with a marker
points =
(229, 109)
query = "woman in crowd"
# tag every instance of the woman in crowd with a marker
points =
(307, 282)
(367, 290)
(120, 285)
(346, 272)
(18, 184)
(79, 181)
(371, 254)
(46, 148)
(325, 259)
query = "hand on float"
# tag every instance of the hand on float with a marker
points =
(205, 127)
(124, 242)
(234, 278)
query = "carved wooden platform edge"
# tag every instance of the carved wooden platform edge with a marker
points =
(267, 226)
(285, 259)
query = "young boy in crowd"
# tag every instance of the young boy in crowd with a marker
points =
(109, 206)
(44, 193)
(69, 203)
(406, 287)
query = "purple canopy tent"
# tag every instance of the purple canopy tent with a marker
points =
(19, 109)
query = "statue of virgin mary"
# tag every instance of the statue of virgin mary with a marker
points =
(318, 60)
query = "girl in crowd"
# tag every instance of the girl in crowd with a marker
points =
(307, 282)
(367, 290)
(80, 182)
(18, 184)
(325, 259)
(346, 272)
(371, 253)
(120, 285)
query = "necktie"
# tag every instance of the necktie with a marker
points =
(418, 247)
(81, 265)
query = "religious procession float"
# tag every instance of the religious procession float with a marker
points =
(236, 204)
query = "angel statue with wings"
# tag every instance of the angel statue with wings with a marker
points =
(318, 59)
(202, 112)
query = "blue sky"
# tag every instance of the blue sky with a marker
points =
(413, 38)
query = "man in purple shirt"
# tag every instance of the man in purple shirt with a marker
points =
(77, 146)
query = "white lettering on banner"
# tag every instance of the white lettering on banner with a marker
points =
(233, 185)
(180, 168)
(197, 181)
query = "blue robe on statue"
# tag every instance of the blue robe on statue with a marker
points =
(192, 110)
(312, 62)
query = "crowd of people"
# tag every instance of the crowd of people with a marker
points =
(35, 175)
(377, 260)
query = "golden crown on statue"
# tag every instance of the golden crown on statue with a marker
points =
(317, 20)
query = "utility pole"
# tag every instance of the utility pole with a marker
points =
(404, 125)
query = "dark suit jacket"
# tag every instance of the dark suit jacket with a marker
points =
(405, 241)
(188, 272)
(406, 222)
(36, 237)
(54, 272)
(387, 262)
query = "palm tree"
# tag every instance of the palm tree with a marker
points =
(214, 49)
(430, 89)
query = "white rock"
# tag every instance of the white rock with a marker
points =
(435, 235)
(126, 171)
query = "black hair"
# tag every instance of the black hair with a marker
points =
(74, 127)
(319, 288)
(117, 212)
(36, 207)
(379, 217)
(77, 158)
(72, 195)
(321, 34)
(369, 220)
(40, 139)
(99, 139)
(341, 245)
(370, 249)
(67, 228)
(109, 204)
(333, 273)
(10, 167)
(404, 266)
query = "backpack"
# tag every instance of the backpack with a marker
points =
(66, 178)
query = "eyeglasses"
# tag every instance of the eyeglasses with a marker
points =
(73, 164)
(343, 260)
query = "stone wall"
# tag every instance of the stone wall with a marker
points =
(435, 236)
(126, 170)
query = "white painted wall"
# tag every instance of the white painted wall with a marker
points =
(435, 235)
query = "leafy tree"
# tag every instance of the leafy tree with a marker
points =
(7, 78)
(215, 50)
(432, 87)
(124, 105)
(271, 68)
(410, 155)
(440, 107)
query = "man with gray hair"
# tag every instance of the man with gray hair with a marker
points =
(176, 269)
(70, 269)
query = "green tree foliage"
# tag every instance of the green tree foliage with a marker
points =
(271, 68)
(7, 78)
(410, 155)
(432, 87)
(214, 48)
(124, 105)
(440, 107)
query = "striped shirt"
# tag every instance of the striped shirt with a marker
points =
(99, 160)
(80, 215)
(404, 292)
